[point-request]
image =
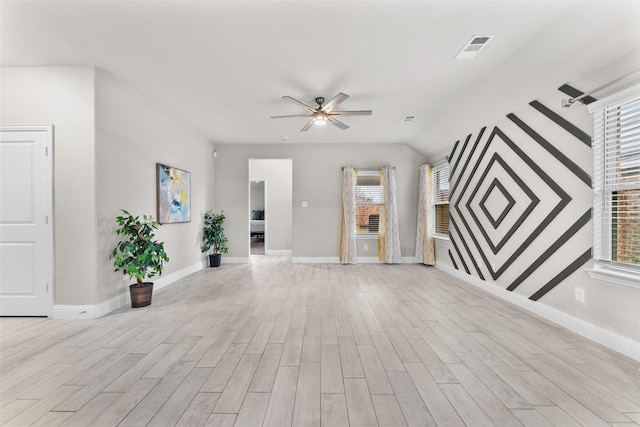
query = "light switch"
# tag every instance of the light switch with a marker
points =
(305, 204)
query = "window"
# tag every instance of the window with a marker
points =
(441, 198)
(368, 202)
(616, 147)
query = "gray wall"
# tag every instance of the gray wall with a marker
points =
(107, 140)
(132, 136)
(64, 97)
(317, 179)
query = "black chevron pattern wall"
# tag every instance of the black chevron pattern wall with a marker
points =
(520, 200)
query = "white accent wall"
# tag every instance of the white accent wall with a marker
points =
(536, 274)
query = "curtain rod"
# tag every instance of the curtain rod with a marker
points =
(566, 103)
(445, 158)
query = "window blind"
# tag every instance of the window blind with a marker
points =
(368, 201)
(368, 189)
(441, 197)
(617, 182)
(441, 184)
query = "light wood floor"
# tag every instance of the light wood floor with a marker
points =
(280, 344)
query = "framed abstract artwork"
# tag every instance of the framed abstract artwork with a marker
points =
(173, 194)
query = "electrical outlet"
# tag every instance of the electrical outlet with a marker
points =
(579, 295)
(365, 247)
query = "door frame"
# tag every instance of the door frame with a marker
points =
(49, 203)
(264, 236)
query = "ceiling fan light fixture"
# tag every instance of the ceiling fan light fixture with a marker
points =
(324, 113)
(320, 120)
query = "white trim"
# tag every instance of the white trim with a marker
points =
(610, 339)
(614, 276)
(315, 260)
(279, 252)
(175, 276)
(61, 311)
(235, 260)
(336, 260)
(367, 236)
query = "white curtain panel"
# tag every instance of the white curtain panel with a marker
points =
(389, 238)
(348, 246)
(425, 245)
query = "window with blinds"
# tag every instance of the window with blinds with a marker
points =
(368, 202)
(616, 148)
(441, 198)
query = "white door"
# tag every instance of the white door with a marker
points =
(26, 260)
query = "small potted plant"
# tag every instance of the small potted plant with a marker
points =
(138, 255)
(213, 238)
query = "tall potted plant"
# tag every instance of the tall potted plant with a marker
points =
(138, 255)
(213, 238)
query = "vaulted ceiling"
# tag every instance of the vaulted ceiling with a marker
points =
(221, 67)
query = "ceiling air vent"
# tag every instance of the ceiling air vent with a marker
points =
(474, 46)
(407, 119)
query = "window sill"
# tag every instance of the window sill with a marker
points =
(441, 237)
(613, 275)
(364, 236)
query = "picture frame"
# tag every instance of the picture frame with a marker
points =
(173, 194)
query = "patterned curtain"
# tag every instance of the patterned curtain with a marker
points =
(348, 247)
(389, 237)
(425, 246)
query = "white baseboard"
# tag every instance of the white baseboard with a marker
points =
(315, 260)
(282, 252)
(61, 311)
(336, 260)
(596, 333)
(234, 260)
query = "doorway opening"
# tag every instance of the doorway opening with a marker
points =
(270, 207)
(257, 227)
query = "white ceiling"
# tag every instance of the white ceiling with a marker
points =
(222, 66)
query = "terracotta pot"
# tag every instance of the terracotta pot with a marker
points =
(141, 295)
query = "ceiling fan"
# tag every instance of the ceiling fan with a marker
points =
(324, 113)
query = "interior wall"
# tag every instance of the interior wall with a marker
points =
(521, 201)
(278, 182)
(257, 196)
(317, 179)
(64, 97)
(132, 136)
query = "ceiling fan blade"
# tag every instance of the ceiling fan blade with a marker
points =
(329, 106)
(295, 101)
(337, 123)
(307, 126)
(292, 115)
(351, 113)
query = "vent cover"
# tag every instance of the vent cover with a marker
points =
(407, 119)
(474, 46)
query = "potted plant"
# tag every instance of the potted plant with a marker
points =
(138, 255)
(213, 238)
